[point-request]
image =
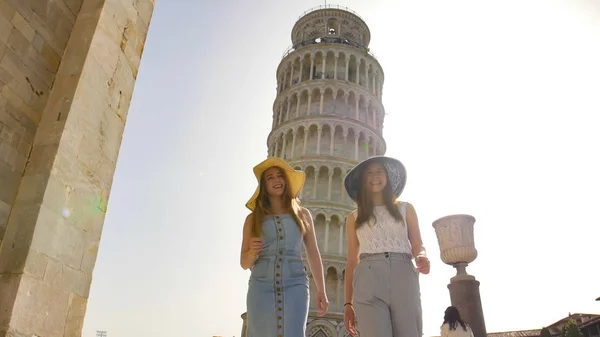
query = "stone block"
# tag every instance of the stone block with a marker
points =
(10, 95)
(75, 317)
(9, 180)
(5, 76)
(41, 159)
(40, 309)
(67, 279)
(51, 57)
(21, 7)
(35, 265)
(90, 254)
(73, 5)
(17, 237)
(22, 26)
(58, 239)
(4, 213)
(9, 285)
(106, 53)
(5, 28)
(113, 21)
(17, 42)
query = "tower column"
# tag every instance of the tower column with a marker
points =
(283, 146)
(332, 143)
(356, 136)
(298, 100)
(276, 146)
(329, 185)
(346, 68)
(335, 67)
(322, 90)
(292, 74)
(326, 246)
(312, 66)
(301, 70)
(319, 133)
(324, 56)
(306, 132)
(309, 105)
(341, 240)
(315, 183)
(294, 132)
(338, 292)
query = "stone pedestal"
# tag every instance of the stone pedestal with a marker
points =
(67, 73)
(464, 295)
(457, 248)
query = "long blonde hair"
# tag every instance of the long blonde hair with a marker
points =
(263, 206)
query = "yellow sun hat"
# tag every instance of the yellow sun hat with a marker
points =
(296, 178)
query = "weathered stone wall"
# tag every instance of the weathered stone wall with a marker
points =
(33, 37)
(67, 73)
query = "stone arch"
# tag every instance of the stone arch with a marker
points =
(322, 183)
(342, 65)
(352, 143)
(331, 284)
(292, 106)
(320, 220)
(287, 143)
(326, 135)
(328, 93)
(337, 184)
(320, 328)
(338, 142)
(362, 70)
(318, 64)
(329, 55)
(307, 191)
(315, 101)
(362, 145)
(300, 131)
(352, 68)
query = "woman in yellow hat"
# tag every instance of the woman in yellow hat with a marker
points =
(274, 233)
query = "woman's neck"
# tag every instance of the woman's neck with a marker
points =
(377, 199)
(276, 205)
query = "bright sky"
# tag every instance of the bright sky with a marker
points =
(492, 106)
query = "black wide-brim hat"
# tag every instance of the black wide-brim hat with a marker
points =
(396, 175)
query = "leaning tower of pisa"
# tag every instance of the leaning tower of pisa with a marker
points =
(327, 117)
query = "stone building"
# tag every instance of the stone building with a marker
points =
(67, 73)
(327, 117)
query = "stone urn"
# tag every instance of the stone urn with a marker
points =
(456, 241)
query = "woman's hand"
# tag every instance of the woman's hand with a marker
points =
(322, 303)
(422, 264)
(350, 320)
(256, 245)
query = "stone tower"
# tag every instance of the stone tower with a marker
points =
(67, 73)
(327, 117)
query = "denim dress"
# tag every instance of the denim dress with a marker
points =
(278, 295)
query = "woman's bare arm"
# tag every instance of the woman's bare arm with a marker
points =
(352, 259)
(312, 251)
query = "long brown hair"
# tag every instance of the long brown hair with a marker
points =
(365, 202)
(263, 206)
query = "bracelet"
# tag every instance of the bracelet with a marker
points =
(350, 304)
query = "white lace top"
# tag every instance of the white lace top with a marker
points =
(384, 233)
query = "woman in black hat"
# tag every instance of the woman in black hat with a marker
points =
(383, 236)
